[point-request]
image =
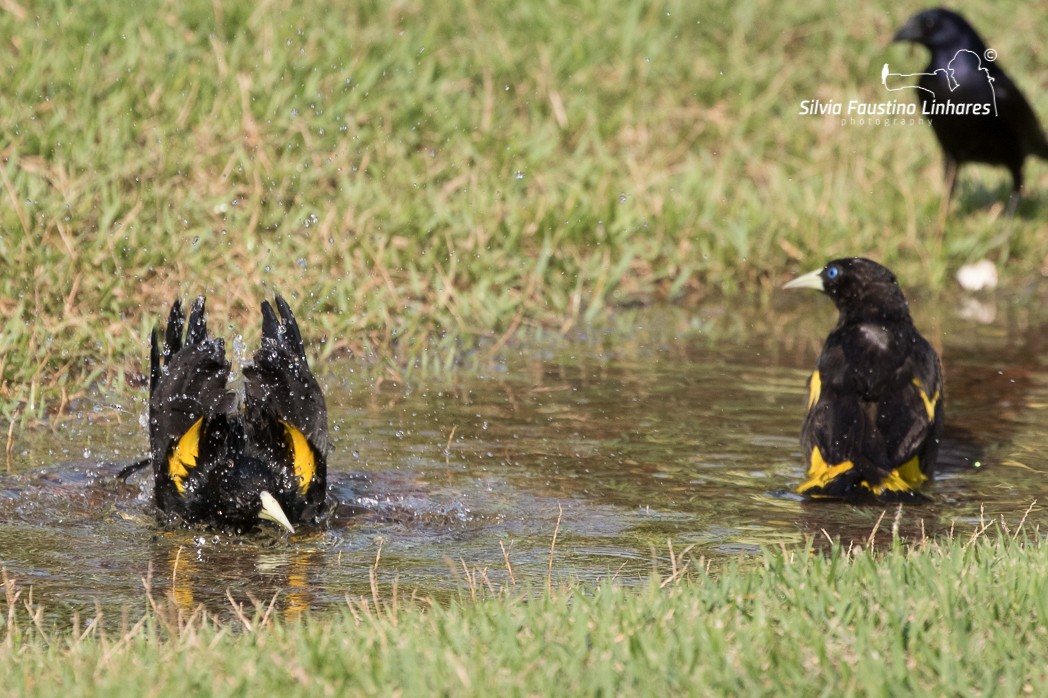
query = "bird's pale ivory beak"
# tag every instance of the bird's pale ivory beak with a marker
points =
(271, 511)
(809, 280)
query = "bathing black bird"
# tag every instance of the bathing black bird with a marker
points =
(229, 462)
(875, 402)
(960, 76)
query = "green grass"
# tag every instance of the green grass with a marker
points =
(965, 616)
(421, 177)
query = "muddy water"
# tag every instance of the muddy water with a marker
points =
(683, 430)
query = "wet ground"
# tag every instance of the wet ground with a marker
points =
(682, 430)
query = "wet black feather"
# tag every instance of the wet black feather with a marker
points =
(243, 448)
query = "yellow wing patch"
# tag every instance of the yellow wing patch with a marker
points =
(305, 463)
(821, 473)
(184, 456)
(929, 403)
(814, 388)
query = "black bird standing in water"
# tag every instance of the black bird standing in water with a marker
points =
(875, 403)
(226, 462)
(960, 75)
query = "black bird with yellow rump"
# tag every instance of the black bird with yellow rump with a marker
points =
(226, 461)
(875, 400)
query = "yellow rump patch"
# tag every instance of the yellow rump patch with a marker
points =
(929, 403)
(184, 456)
(911, 472)
(814, 388)
(305, 463)
(821, 473)
(905, 478)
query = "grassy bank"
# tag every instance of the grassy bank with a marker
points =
(421, 176)
(959, 617)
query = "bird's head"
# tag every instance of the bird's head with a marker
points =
(940, 29)
(245, 494)
(862, 290)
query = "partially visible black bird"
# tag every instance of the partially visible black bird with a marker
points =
(229, 462)
(875, 401)
(1006, 134)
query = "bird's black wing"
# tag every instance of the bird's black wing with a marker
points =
(284, 403)
(910, 413)
(187, 390)
(835, 428)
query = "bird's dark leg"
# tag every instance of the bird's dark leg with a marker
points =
(1017, 189)
(950, 169)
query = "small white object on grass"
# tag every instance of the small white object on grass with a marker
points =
(978, 276)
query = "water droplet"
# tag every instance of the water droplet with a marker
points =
(239, 348)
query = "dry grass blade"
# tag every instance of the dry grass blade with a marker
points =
(373, 576)
(876, 527)
(11, 596)
(238, 610)
(1022, 521)
(509, 565)
(552, 548)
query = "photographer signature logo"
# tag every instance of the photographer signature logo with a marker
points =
(966, 64)
(964, 87)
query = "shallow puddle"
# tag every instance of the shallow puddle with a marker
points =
(682, 431)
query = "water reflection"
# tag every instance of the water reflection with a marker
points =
(286, 576)
(684, 430)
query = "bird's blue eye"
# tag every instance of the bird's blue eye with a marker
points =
(832, 272)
